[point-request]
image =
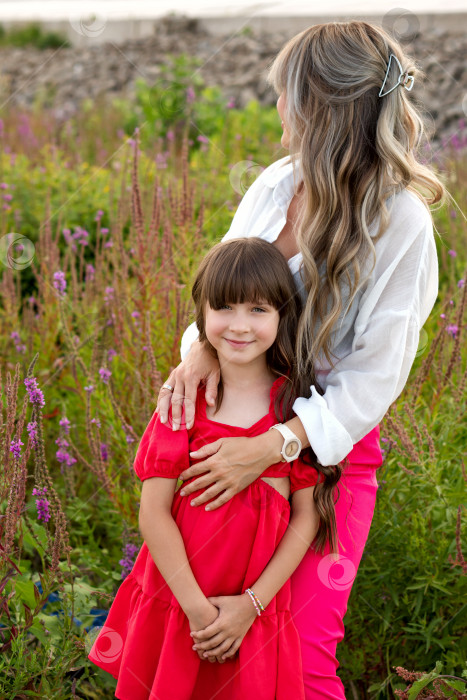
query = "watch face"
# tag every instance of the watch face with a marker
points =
(292, 448)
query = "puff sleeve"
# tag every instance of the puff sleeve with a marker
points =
(302, 475)
(162, 451)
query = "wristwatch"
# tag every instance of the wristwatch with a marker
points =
(292, 445)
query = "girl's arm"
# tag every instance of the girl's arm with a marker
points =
(165, 543)
(300, 533)
(237, 613)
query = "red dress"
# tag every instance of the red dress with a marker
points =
(145, 642)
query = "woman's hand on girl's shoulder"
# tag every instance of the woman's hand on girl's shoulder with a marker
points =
(223, 637)
(199, 365)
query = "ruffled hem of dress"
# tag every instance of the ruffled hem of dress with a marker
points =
(145, 641)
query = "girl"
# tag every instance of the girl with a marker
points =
(348, 209)
(230, 566)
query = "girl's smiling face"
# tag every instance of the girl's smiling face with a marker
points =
(241, 332)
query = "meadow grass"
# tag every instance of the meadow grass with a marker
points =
(102, 231)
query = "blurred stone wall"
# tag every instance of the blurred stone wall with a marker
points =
(236, 62)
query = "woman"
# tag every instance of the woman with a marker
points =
(345, 211)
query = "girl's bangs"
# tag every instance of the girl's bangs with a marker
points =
(242, 279)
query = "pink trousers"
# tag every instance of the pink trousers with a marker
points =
(321, 584)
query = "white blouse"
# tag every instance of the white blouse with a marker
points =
(376, 341)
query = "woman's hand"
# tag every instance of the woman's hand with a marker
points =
(233, 465)
(199, 365)
(223, 637)
(199, 620)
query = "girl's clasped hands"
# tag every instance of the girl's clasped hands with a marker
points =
(221, 639)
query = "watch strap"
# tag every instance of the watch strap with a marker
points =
(288, 436)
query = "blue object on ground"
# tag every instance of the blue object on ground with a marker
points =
(100, 615)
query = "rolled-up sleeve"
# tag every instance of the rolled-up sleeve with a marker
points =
(364, 383)
(189, 336)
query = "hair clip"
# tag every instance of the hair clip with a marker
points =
(404, 78)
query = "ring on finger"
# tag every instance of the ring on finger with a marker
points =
(167, 386)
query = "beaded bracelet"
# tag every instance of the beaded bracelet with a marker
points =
(256, 601)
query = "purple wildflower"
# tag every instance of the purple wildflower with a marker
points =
(90, 272)
(15, 447)
(442, 315)
(96, 421)
(190, 95)
(105, 374)
(32, 430)
(231, 103)
(60, 282)
(89, 388)
(129, 551)
(65, 458)
(452, 329)
(108, 244)
(129, 438)
(170, 136)
(161, 160)
(461, 283)
(202, 139)
(42, 504)
(111, 354)
(109, 294)
(68, 237)
(35, 394)
(104, 452)
(104, 231)
(81, 235)
(65, 424)
(62, 454)
(452, 253)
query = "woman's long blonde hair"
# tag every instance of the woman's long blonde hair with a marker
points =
(355, 149)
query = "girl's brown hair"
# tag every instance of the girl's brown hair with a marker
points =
(253, 270)
(356, 150)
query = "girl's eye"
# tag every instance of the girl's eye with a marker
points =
(259, 308)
